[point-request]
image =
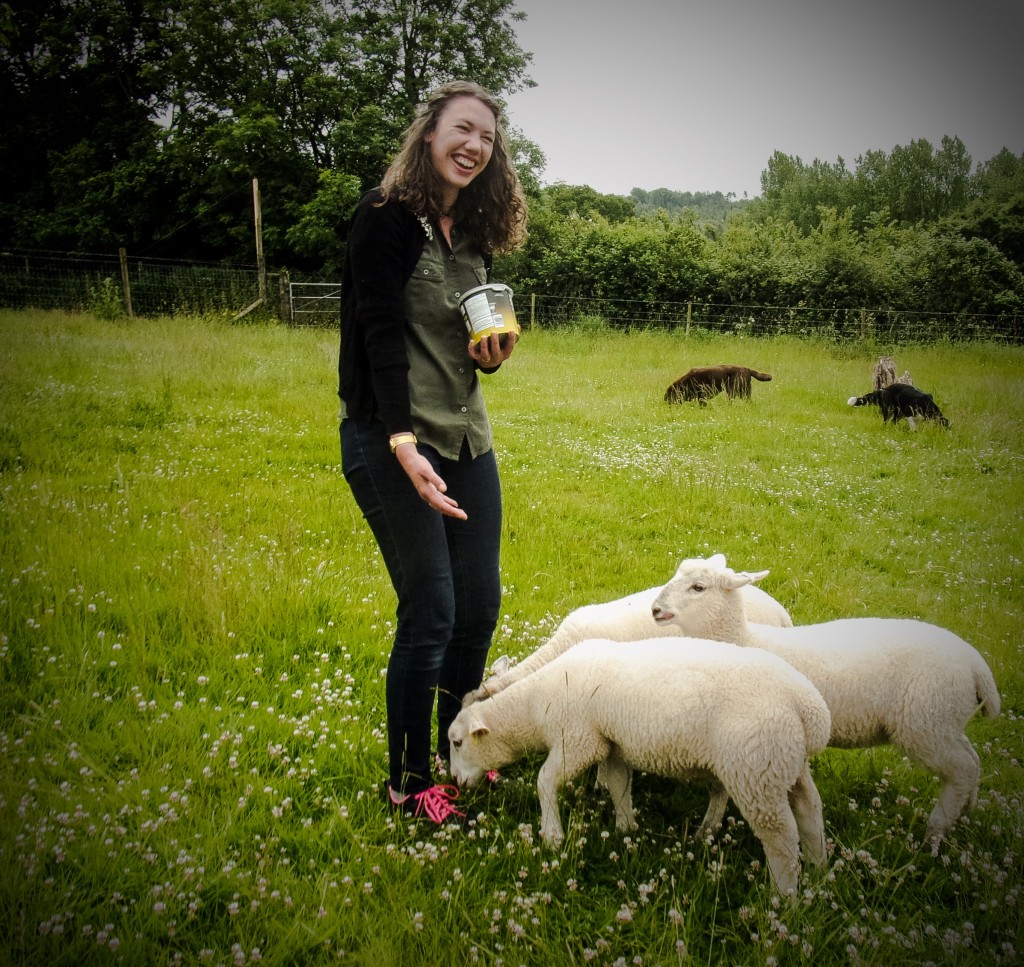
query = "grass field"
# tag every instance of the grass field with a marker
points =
(195, 622)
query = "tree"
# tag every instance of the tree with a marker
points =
(713, 207)
(999, 222)
(581, 201)
(143, 122)
(407, 47)
(795, 192)
(1001, 177)
(319, 233)
(79, 84)
(914, 183)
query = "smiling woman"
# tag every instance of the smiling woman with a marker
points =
(416, 442)
(460, 146)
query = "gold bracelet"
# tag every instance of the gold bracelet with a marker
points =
(397, 439)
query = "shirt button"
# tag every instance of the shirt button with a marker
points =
(463, 409)
(458, 295)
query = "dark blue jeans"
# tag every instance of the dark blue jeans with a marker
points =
(446, 575)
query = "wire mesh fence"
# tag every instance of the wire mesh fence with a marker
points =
(120, 285)
(883, 325)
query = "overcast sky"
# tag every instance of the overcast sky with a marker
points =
(696, 95)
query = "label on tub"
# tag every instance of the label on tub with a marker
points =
(488, 309)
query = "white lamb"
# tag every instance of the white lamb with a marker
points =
(742, 719)
(886, 680)
(624, 619)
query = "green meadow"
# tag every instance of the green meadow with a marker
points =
(195, 623)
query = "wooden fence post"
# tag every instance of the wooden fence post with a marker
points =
(261, 265)
(126, 282)
(284, 310)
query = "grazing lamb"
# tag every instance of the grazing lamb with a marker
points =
(703, 382)
(901, 400)
(742, 718)
(886, 680)
(624, 619)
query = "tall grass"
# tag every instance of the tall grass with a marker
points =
(195, 626)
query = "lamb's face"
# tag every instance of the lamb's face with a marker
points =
(683, 602)
(677, 602)
(468, 738)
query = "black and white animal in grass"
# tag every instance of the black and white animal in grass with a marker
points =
(901, 401)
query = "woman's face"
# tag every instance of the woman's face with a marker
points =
(462, 142)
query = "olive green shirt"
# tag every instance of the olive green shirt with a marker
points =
(444, 388)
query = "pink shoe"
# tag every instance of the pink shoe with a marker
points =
(434, 803)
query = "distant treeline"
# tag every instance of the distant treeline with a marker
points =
(711, 206)
(925, 236)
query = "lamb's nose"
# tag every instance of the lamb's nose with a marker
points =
(660, 614)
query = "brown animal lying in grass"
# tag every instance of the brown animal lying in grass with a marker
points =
(703, 382)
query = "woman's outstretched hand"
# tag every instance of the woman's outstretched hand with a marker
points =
(427, 482)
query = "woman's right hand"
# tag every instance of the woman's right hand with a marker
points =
(427, 482)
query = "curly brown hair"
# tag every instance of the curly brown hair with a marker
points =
(492, 208)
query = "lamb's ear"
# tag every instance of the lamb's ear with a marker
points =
(475, 726)
(740, 578)
(500, 665)
(716, 560)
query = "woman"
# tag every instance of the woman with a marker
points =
(416, 440)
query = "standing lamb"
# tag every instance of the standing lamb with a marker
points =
(740, 717)
(624, 619)
(900, 681)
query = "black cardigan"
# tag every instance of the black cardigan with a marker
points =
(384, 244)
